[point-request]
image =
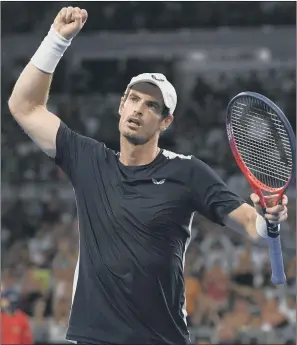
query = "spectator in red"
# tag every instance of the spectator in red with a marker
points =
(15, 326)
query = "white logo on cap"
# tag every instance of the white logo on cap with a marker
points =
(158, 182)
(158, 79)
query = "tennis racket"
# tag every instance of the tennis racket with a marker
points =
(263, 144)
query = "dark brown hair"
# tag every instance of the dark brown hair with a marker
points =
(165, 110)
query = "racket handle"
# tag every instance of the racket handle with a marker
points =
(278, 276)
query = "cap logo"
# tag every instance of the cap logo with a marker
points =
(158, 79)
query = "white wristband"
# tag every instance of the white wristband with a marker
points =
(261, 226)
(50, 51)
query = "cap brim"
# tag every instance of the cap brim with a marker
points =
(152, 82)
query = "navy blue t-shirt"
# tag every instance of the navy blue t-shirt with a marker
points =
(134, 227)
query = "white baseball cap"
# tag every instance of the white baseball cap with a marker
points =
(167, 89)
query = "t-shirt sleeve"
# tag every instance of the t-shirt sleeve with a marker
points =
(71, 150)
(210, 195)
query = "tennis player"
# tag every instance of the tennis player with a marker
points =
(132, 206)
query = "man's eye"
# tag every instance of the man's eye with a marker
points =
(152, 106)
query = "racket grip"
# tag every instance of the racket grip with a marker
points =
(278, 276)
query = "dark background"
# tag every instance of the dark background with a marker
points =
(210, 51)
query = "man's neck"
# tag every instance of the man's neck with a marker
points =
(135, 155)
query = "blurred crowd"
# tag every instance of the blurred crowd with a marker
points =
(230, 299)
(203, 118)
(38, 259)
(154, 16)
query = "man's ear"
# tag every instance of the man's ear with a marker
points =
(167, 122)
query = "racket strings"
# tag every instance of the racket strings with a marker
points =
(262, 142)
(267, 171)
(254, 155)
(258, 149)
(247, 124)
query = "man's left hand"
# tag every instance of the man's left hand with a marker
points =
(274, 214)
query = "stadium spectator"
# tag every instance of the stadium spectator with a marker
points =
(271, 315)
(15, 325)
(59, 321)
(193, 292)
(226, 335)
(206, 313)
(216, 284)
(243, 273)
(239, 317)
(63, 266)
(39, 323)
(291, 272)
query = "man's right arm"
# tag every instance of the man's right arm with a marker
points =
(27, 104)
(28, 100)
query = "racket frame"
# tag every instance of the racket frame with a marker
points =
(257, 185)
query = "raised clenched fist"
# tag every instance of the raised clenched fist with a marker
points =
(70, 21)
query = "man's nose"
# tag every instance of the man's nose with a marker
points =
(139, 108)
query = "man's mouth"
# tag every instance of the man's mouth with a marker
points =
(135, 121)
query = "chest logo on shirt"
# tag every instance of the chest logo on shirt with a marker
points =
(158, 182)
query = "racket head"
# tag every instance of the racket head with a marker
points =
(239, 109)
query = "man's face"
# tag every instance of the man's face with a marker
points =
(141, 114)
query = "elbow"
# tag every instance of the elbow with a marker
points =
(15, 106)
(12, 106)
(18, 107)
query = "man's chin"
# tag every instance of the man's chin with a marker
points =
(135, 139)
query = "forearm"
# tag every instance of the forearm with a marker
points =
(30, 91)
(28, 100)
(246, 219)
(32, 87)
(251, 225)
(243, 220)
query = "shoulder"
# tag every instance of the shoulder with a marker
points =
(186, 168)
(186, 162)
(79, 143)
(175, 156)
(192, 170)
(66, 135)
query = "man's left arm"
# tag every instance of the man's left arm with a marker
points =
(213, 199)
(252, 220)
